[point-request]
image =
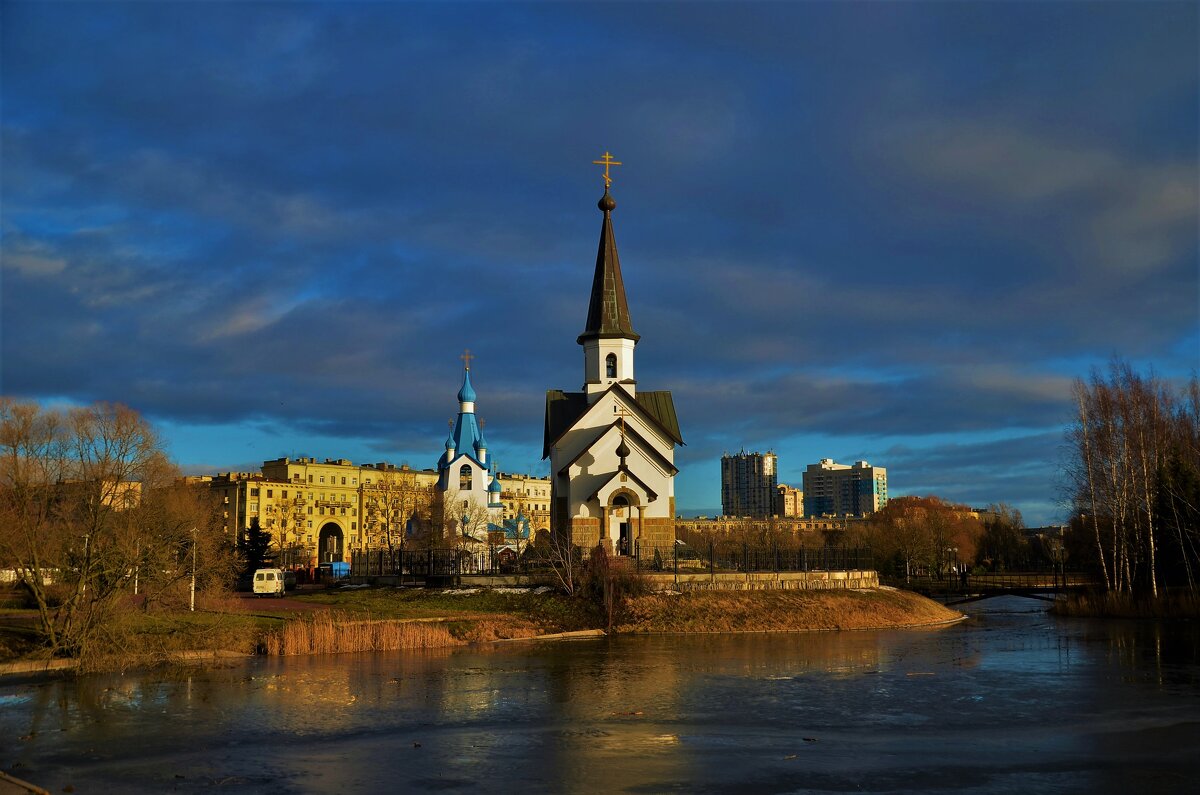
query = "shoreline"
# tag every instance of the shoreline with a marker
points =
(694, 613)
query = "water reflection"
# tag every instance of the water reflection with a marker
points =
(1008, 700)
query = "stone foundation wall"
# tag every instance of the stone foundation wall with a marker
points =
(585, 531)
(762, 581)
(658, 532)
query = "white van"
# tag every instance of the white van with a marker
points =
(268, 582)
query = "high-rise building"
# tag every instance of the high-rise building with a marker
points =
(748, 484)
(838, 490)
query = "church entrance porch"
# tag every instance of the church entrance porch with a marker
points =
(622, 523)
(330, 544)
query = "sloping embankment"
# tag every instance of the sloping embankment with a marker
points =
(781, 611)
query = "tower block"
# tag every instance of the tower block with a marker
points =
(611, 446)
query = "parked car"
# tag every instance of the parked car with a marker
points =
(268, 582)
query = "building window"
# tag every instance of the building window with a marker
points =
(354, 525)
(343, 481)
(464, 477)
(353, 481)
(322, 478)
(253, 492)
(270, 493)
(610, 365)
(283, 494)
(310, 478)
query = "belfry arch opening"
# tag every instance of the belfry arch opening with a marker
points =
(464, 477)
(610, 366)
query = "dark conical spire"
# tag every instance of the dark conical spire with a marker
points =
(608, 312)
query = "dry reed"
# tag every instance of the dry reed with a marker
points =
(1178, 604)
(330, 633)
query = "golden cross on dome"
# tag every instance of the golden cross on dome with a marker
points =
(467, 357)
(606, 161)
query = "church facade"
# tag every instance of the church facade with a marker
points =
(611, 445)
(467, 487)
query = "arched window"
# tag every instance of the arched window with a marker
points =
(464, 477)
(610, 365)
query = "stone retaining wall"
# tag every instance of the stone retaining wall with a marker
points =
(766, 580)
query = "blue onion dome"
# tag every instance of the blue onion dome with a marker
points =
(494, 488)
(481, 443)
(467, 393)
(450, 441)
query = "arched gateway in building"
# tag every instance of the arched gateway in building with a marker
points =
(330, 543)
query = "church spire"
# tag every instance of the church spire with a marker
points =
(608, 312)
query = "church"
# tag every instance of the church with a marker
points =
(611, 445)
(468, 485)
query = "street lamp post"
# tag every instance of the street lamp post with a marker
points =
(84, 571)
(193, 603)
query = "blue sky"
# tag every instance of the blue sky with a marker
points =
(891, 231)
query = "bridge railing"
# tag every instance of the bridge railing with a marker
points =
(1052, 579)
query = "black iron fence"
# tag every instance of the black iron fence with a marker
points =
(422, 564)
(725, 558)
(425, 564)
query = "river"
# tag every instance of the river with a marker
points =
(1010, 700)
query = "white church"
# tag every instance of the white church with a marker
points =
(611, 445)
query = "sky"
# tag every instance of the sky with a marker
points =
(892, 232)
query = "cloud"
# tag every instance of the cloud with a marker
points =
(1126, 212)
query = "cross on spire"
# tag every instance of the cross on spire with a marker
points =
(467, 357)
(606, 161)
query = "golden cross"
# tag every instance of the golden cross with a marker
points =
(450, 423)
(622, 413)
(467, 357)
(482, 422)
(606, 161)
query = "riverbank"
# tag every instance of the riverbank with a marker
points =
(1169, 605)
(379, 619)
(781, 611)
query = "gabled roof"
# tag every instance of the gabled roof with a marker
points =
(564, 408)
(629, 432)
(649, 491)
(608, 311)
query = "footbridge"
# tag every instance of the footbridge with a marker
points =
(956, 589)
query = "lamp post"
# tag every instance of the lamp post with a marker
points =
(84, 571)
(193, 602)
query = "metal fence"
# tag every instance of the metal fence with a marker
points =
(719, 558)
(440, 564)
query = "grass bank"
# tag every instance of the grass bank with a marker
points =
(377, 619)
(780, 611)
(1177, 604)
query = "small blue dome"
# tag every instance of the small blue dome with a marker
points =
(494, 488)
(467, 393)
(481, 443)
(450, 443)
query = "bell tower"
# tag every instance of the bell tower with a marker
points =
(608, 339)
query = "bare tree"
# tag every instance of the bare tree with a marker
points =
(1134, 445)
(89, 506)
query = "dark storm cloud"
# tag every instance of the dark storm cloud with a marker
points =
(863, 221)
